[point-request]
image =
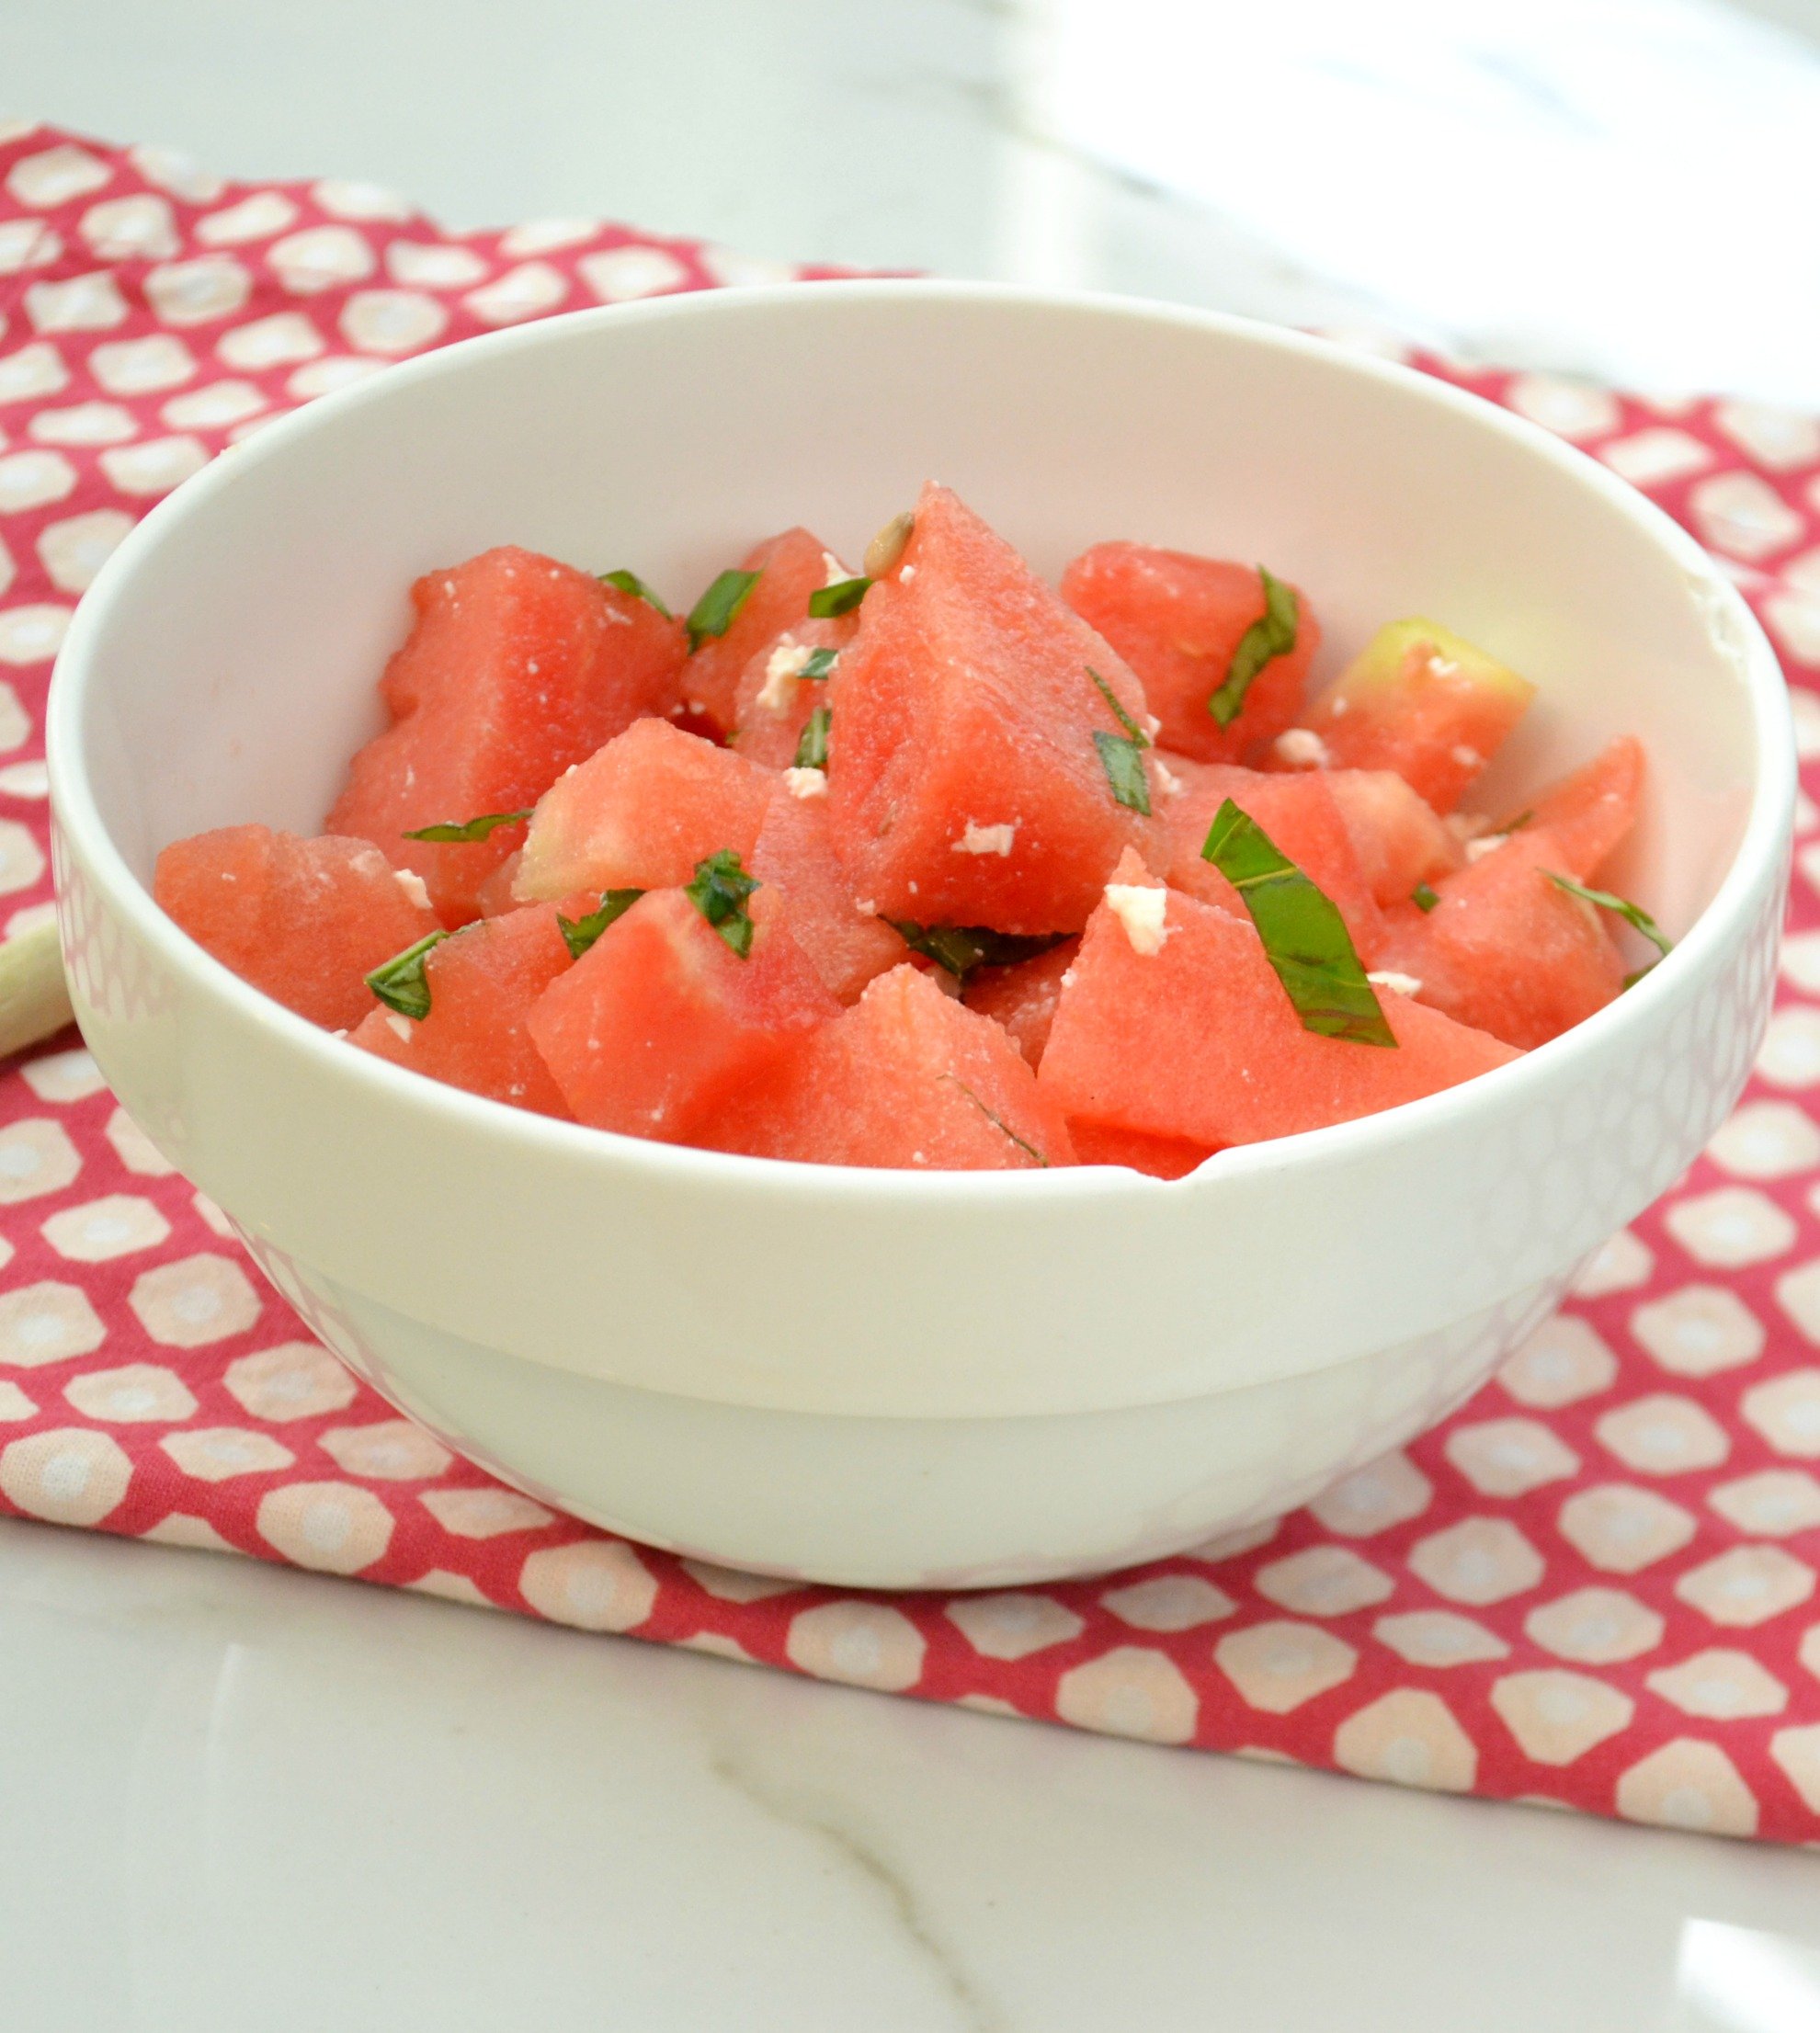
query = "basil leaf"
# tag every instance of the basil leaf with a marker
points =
(400, 984)
(579, 933)
(1632, 913)
(1124, 763)
(841, 598)
(630, 582)
(715, 612)
(1423, 897)
(1029, 1149)
(719, 892)
(1118, 712)
(1271, 635)
(962, 947)
(469, 830)
(1516, 825)
(821, 662)
(812, 747)
(1305, 939)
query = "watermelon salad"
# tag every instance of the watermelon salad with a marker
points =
(929, 865)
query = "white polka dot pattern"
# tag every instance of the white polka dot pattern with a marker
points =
(1594, 1584)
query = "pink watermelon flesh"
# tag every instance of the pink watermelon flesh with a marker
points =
(1161, 1157)
(795, 859)
(964, 784)
(516, 668)
(1022, 997)
(1199, 1040)
(1303, 822)
(791, 566)
(1507, 951)
(1591, 811)
(483, 983)
(305, 921)
(659, 1022)
(641, 813)
(907, 1078)
(772, 705)
(1400, 840)
(1177, 620)
(494, 895)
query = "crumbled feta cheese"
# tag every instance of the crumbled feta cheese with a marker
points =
(1303, 747)
(1152, 725)
(1398, 984)
(1067, 977)
(1143, 911)
(1468, 758)
(449, 587)
(412, 884)
(785, 665)
(400, 1027)
(807, 783)
(1168, 782)
(865, 906)
(908, 573)
(837, 574)
(979, 839)
(1442, 666)
(1488, 842)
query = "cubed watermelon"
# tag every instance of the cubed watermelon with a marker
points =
(516, 668)
(1591, 811)
(1194, 1036)
(1023, 996)
(1417, 700)
(1161, 1157)
(965, 784)
(791, 566)
(660, 1021)
(774, 701)
(795, 859)
(1506, 950)
(1177, 620)
(1400, 840)
(907, 1078)
(641, 813)
(483, 983)
(305, 921)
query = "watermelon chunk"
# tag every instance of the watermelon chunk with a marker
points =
(305, 921)
(773, 705)
(965, 787)
(483, 983)
(660, 1021)
(1417, 700)
(791, 566)
(1592, 810)
(1399, 839)
(1505, 949)
(1303, 822)
(795, 857)
(1177, 619)
(516, 668)
(641, 813)
(1023, 996)
(1199, 1040)
(1161, 1157)
(907, 1078)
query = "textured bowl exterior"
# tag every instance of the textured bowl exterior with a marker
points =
(1048, 1373)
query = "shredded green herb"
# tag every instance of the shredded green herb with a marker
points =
(821, 662)
(811, 746)
(1271, 635)
(400, 984)
(579, 933)
(467, 830)
(1633, 915)
(842, 597)
(1122, 761)
(998, 1122)
(1423, 897)
(1132, 730)
(962, 947)
(1305, 939)
(630, 582)
(715, 612)
(720, 892)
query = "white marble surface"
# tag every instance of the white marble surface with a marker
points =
(233, 1796)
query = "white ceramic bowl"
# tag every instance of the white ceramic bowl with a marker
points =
(884, 1377)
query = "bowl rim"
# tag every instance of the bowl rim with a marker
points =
(1734, 630)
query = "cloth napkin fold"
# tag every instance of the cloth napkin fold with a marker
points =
(1594, 1585)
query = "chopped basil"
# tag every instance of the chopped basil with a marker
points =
(841, 598)
(400, 984)
(1124, 763)
(1633, 915)
(630, 582)
(1423, 897)
(1029, 1149)
(579, 933)
(962, 947)
(468, 830)
(821, 662)
(1305, 939)
(1518, 824)
(715, 612)
(1271, 635)
(812, 747)
(719, 892)
(1118, 712)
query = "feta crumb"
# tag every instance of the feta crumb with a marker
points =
(807, 783)
(400, 1027)
(1067, 977)
(1143, 911)
(908, 573)
(979, 839)
(1468, 758)
(1488, 842)
(865, 906)
(837, 574)
(1152, 725)
(1303, 747)
(449, 587)
(1398, 984)
(1168, 782)
(786, 664)
(412, 884)
(1442, 667)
